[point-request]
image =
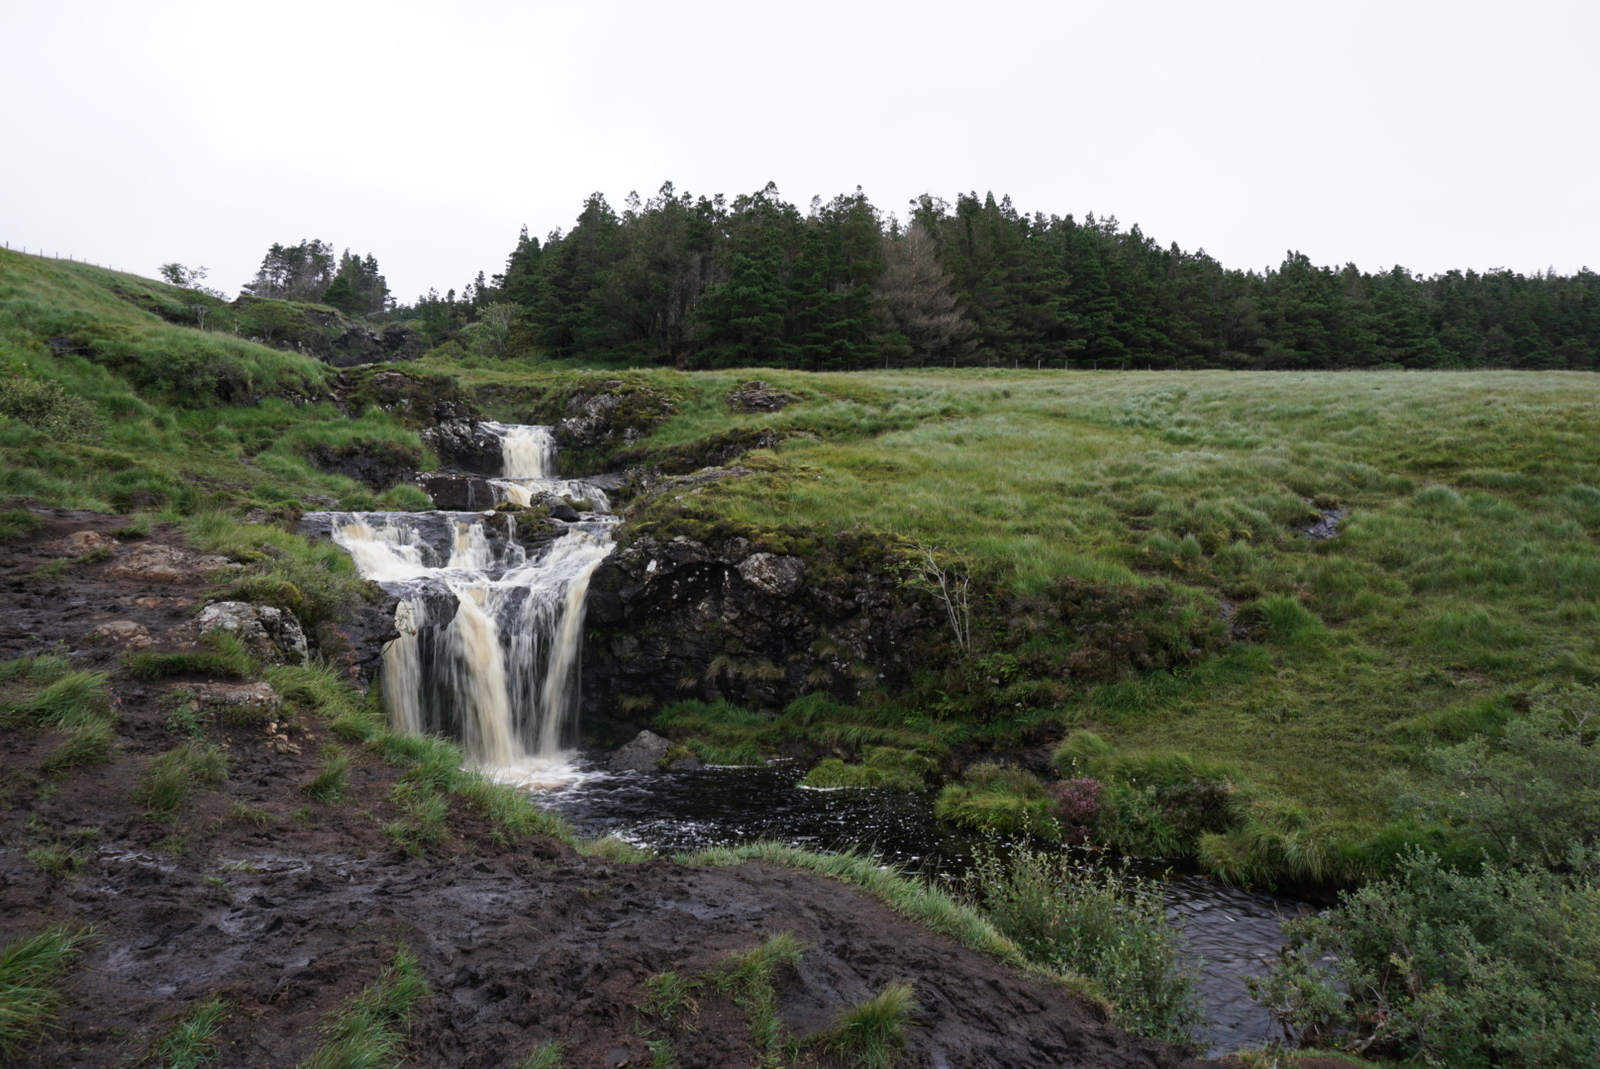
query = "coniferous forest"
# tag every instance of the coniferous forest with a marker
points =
(705, 282)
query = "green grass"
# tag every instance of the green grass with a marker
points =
(872, 1034)
(545, 1055)
(191, 1042)
(329, 784)
(369, 1030)
(227, 657)
(749, 978)
(173, 777)
(31, 970)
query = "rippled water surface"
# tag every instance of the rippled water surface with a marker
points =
(1235, 933)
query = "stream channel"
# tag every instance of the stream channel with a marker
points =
(491, 625)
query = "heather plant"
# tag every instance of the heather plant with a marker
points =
(1076, 804)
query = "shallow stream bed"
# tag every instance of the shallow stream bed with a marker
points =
(1234, 933)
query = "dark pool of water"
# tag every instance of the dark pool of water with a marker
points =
(1234, 933)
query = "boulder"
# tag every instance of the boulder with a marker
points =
(780, 577)
(759, 396)
(155, 563)
(643, 754)
(272, 635)
(377, 463)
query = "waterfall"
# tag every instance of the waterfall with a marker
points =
(489, 630)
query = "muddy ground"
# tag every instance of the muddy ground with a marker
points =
(286, 907)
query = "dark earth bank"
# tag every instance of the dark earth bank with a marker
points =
(286, 907)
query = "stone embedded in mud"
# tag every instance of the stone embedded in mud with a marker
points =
(759, 396)
(156, 563)
(772, 574)
(78, 543)
(121, 634)
(237, 703)
(643, 754)
(271, 634)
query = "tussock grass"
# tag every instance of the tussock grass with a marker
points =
(31, 970)
(191, 1042)
(749, 977)
(369, 1029)
(872, 1035)
(512, 811)
(670, 994)
(170, 779)
(423, 812)
(227, 657)
(610, 848)
(330, 784)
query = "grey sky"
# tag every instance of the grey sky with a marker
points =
(1431, 134)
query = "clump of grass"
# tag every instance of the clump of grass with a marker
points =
(872, 1035)
(31, 970)
(17, 524)
(512, 811)
(331, 782)
(240, 813)
(422, 823)
(191, 1042)
(67, 699)
(545, 1055)
(227, 657)
(662, 1054)
(670, 995)
(1004, 801)
(318, 688)
(171, 778)
(618, 851)
(748, 977)
(370, 1027)
(86, 745)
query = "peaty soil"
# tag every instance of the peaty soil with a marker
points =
(286, 907)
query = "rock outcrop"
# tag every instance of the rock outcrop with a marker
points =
(155, 563)
(759, 396)
(378, 464)
(466, 444)
(272, 635)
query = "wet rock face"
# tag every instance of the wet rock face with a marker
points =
(272, 635)
(759, 396)
(670, 619)
(419, 400)
(378, 464)
(459, 493)
(466, 444)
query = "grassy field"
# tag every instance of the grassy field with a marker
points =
(1465, 576)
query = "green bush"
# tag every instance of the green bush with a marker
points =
(1098, 924)
(48, 408)
(1447, 968)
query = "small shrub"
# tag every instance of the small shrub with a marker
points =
(1097, 924)
(48, 408)
(1076, 805)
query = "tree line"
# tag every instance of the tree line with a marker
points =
(701, 282)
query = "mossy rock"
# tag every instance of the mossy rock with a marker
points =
(884, 767)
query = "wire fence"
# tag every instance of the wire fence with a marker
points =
(45, 254)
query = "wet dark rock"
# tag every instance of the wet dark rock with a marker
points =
(644, 753)
(377, 463)
(559, 509)
(459, 493)
(466, 444)
(759, 396)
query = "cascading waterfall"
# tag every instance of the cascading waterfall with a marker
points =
(489, 632)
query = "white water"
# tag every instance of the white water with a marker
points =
(528, 463)
(489, 636)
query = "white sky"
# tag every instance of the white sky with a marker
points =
(1430, 133)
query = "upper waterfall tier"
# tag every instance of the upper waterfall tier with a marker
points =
(527, 451)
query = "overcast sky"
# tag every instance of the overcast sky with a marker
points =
(1429, 133)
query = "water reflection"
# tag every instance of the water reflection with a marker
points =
(1235, 933)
